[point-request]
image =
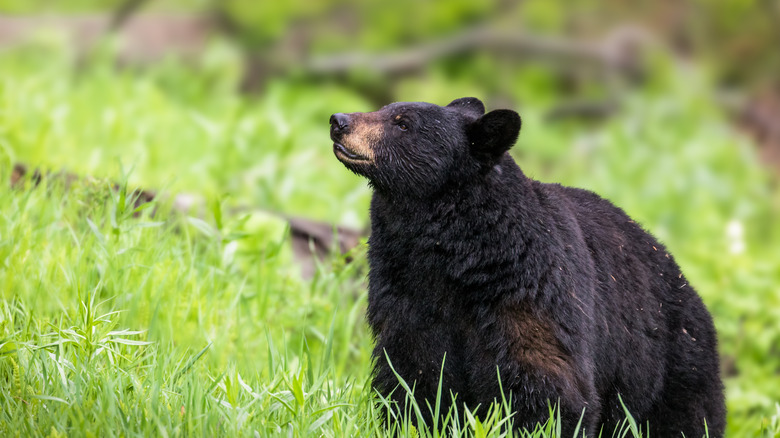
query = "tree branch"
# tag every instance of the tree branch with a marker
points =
(607, 53)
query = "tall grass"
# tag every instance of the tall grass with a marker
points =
(121, 325)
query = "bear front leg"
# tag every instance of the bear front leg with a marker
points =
(536, 370)
(531, 389)
(534, 392)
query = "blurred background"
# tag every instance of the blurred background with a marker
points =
(669, 108)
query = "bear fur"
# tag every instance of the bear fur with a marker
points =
(553, 288)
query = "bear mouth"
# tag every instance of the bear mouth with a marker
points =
(344, 153)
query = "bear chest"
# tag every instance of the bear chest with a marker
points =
(423, 343)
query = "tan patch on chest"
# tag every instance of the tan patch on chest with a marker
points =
(536, 349)
(533, 342)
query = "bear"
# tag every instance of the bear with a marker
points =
(498, 286)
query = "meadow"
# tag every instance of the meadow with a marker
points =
(120, 319)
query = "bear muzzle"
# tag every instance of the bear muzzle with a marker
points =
(353, 136)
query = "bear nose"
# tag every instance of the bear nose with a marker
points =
(339, 122)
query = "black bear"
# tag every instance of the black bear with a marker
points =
(552, 288)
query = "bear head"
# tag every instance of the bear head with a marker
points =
(417, 149)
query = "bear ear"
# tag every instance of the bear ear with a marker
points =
(470, 105)
(494, 133)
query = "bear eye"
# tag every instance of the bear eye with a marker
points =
(402, 126)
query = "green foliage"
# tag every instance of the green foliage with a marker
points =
(126, 320)
(351, 23)
(771, 427)
(181, 131)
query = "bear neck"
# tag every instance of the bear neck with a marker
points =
(501, 181)
(451, 239)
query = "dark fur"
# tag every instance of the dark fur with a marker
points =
(556, 287)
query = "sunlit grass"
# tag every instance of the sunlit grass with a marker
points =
(115, 324)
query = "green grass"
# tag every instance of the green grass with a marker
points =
(128, 325)
(123, 322)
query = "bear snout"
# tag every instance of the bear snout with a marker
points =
(339, 124)
(354, 136)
